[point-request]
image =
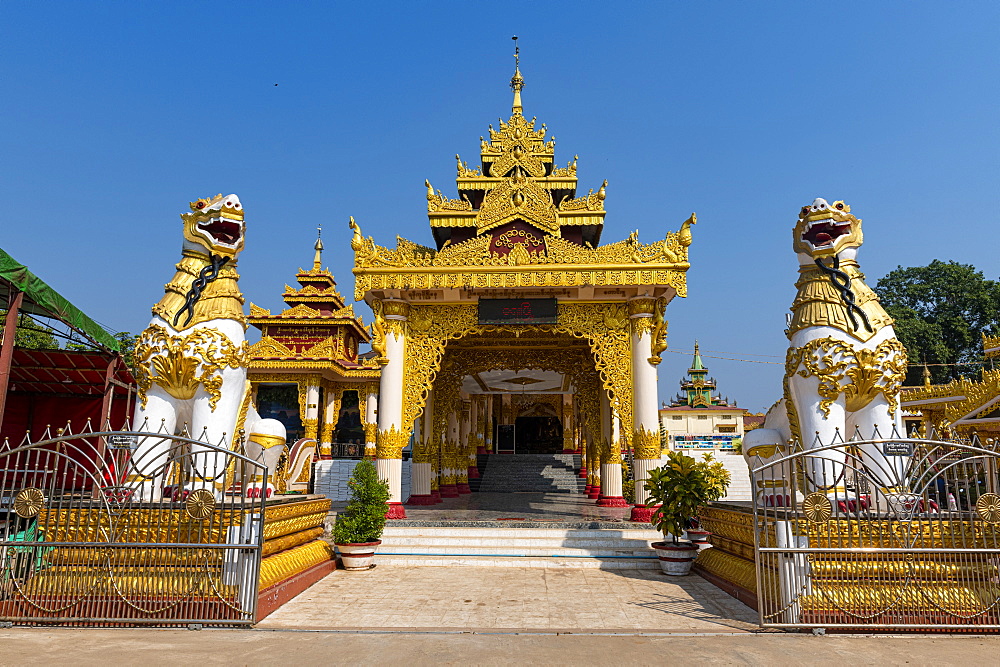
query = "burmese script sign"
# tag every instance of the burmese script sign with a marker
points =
(517, 311)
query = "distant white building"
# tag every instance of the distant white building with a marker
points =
(697, 419)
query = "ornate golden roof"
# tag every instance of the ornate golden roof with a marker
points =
(518, 209)
(317, 331)
(517, 180)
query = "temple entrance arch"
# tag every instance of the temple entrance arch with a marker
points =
(518, 253)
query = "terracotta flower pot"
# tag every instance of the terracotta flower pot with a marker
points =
(675, 559)
(358, 555)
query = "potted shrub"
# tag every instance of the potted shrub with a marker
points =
(681, 486)
(718, 480)
(359, 527)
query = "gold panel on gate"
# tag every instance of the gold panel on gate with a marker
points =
(988, 508)
(29, 502)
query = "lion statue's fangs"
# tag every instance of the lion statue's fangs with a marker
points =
(191, 361)
(844, 364)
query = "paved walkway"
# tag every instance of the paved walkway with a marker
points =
(151, 648)
(513, 598)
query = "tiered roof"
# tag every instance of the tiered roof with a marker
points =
(517, 208)
(316, 328)
(697, 388)
(517, 180)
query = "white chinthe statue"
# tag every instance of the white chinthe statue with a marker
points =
(844, 364)
(192, 362)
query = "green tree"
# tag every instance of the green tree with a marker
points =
(29, 334)
(127, 342)
(941, 311)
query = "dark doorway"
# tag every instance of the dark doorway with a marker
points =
(538, 435)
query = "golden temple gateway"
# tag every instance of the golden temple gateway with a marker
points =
(515, 308)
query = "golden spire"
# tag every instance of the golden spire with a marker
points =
(927, 375)
(317, 262)
(517, 81)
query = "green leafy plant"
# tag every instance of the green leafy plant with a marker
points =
(628, 484)
(364, 517)
(681, 487)
(717, 475)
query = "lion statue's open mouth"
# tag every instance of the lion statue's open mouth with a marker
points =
(823, 233)
(226, 232)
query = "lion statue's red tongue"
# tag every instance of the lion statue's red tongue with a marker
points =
(823, 238)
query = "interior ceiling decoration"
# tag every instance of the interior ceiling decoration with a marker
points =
(507, 381)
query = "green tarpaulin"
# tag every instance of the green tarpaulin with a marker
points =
(40, 299)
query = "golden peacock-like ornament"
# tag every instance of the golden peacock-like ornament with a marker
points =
(29, 502)
(200, 504)
(817, 508)
(988, 507)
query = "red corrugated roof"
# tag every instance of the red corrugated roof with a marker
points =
(62, 372)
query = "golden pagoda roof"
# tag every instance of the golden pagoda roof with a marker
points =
(518, 209)
(315, 302)
(517, 179)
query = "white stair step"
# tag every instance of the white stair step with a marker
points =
(525, 533)
(515, 551)
(501, 542)
(496, 561)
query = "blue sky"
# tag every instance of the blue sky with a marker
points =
(116, 114)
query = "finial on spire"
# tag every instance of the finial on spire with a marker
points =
(317, 260)
(517, 81)
(927, 375)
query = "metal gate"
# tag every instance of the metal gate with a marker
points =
(895, 534)
(84, 540)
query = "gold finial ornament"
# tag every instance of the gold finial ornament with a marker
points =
(317, 263)
(357, 241)
(517, 81)
(200, 504)
(29, 502)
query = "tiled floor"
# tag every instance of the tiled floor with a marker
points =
(506, 598)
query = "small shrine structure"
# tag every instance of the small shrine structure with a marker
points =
(306, 370)
(699, 419)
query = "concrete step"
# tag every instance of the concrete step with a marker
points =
(511, 473)
(608, 548)
(520, 533)
(521, 562)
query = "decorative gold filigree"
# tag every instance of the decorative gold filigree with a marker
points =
(563, 263)
(988, 507)
(658, 337)
(301, 311)
(859, 374)
(817, 508)
(29, 502)
(268, 347)
(200, 504)
(438, 202)
(180, 364)
(592, 202)
(646, 443)
(378, 333)
(391, 443)
(257, 311)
